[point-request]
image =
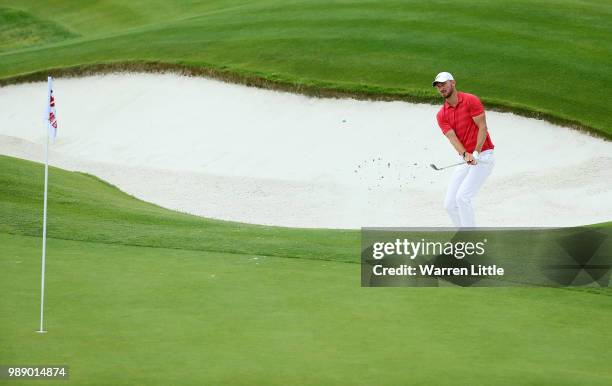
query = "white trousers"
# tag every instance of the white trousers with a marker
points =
(463, 186)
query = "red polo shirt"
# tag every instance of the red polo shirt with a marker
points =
(460, 119)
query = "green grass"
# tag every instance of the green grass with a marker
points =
(547, 58)
(86, 208)
(137, 315)
(137, 294)
(19, 29)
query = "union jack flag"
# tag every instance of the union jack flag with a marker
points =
(51, 114)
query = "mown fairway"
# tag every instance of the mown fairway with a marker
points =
(140, 295)
(550, 57)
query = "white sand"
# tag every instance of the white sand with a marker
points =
(237, 153)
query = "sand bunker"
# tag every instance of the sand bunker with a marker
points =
(244, 154)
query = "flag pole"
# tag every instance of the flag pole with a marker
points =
(44, 241)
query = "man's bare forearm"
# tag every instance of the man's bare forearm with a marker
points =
(482, 136)
(481, 122)
(452, 137)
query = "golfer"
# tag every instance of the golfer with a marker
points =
(462, 120)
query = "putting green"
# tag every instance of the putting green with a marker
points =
(139, 315)
(546, 58)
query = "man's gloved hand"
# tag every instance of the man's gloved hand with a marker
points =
(471, 158)
(476, 156)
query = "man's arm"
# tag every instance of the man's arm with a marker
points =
(452, 137)
(481, 122)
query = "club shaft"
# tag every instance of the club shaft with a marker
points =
(451, 166)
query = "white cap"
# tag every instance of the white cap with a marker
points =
(442, 77)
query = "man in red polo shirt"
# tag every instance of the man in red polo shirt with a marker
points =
(462, 120)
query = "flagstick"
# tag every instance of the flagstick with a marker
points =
(42, 277)
(44, 243)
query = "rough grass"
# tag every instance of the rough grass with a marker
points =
(20, 29)
(84, 208)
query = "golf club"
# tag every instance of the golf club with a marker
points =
(446, 167)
